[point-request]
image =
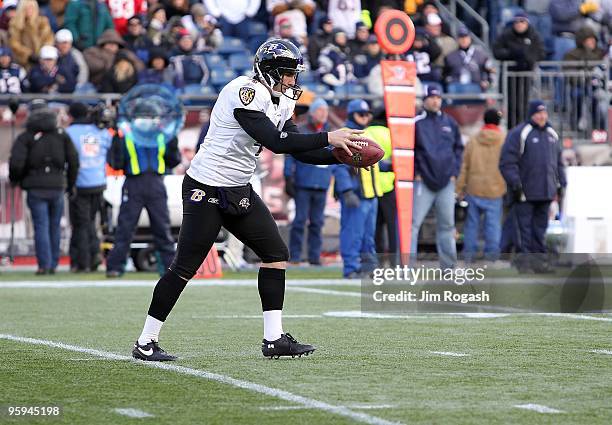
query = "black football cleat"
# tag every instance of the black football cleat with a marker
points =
(286, 345)
(151, 352)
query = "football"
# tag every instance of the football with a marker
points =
(369, 154)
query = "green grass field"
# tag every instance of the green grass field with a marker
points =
(365, 370)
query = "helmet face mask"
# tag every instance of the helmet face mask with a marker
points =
(275, 59)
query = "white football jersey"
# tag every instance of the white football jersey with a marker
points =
(228, 156)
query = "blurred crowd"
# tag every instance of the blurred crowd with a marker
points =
(85, 46)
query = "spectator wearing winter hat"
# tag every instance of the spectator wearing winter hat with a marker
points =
(68, 56)
(189, 67)
(447, 44)
(366, 61)
(359, 43)
(468, 64)
(13, 76)
(438, 152)
(521, 44)
(157, 23)
(48, 77)
(533, 169)
(101, 57)
(203, 28)
(481, 184)
(157, 71)
(28, 32)
(579, 89)
(136, 39)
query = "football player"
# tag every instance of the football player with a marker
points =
(250, 114)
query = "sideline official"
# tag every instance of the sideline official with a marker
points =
(144, 168)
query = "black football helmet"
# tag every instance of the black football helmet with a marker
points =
(276, 58)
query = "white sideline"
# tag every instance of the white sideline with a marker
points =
(350, 406)
(250, 386)
(578, 316)
(133, 413)
(609, 352)
(538, 408)
(449, 353)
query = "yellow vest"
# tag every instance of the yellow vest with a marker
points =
(381, 135)
(370, 182)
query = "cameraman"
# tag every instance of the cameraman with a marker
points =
(44, 162)
(92, 144)
(144, 167)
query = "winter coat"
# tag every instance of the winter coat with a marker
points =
(480, 174)
(526, 49)
(308, 176)
(531, 161)
(43, 156)
(438, 149)
(100, 60)
(581, 53)
(334, 67)
(85, 25)
(566, 16)
(61, 79)
(114, 83)
(473, 60)
(25, 41)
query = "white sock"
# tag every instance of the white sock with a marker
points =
(150, 332)
(273, 324)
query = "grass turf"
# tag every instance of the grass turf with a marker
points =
(515, 359)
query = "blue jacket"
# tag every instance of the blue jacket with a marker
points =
(438, 149)
(345, 176)
(308, 176)
(64, 76)
(531, 160)
(92, 144)
(566, 16)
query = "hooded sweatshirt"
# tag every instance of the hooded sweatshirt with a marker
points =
(43, 156)
(480, 174)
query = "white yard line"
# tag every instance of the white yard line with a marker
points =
(538, 408)
(324, 291)
(211, 376)
(449, 353)
(133, 413)
(608, 352)
(150, 283)
(349, 406)
(257, 316)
